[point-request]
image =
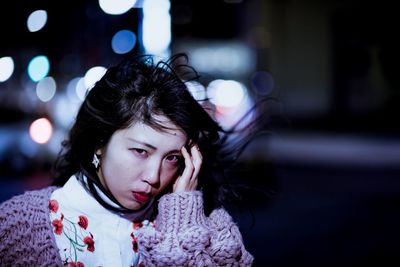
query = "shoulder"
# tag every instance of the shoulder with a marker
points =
(24, 204)
(29, 209)
(25, 229)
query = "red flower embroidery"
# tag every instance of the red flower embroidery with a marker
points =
(137, 225)
(83, 221)
(58, 226)
(74, 264)
(141, 264)
(88, 240)
(53, 205)
(134, 243)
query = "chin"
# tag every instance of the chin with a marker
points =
(132, 206)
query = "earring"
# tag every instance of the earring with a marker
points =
(96, 161)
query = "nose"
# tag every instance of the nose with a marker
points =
(152, 172)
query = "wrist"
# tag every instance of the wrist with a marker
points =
(180, 209)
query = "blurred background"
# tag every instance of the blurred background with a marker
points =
(330, 163)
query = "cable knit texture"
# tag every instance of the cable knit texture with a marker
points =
(184, 236)
(26, 237)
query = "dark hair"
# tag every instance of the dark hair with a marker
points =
(135, 90)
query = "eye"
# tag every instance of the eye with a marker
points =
(174, 159)
(139, 152)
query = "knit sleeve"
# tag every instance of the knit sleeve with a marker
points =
(184, 236)
(25, 231)
(227, 245)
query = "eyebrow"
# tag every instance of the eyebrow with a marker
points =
(151, 146)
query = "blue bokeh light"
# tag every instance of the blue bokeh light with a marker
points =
(38, 68)
(123, 42)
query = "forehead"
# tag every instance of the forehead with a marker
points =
(170, 136)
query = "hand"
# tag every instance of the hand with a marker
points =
(187, 181)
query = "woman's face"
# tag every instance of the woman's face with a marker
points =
(139, 162)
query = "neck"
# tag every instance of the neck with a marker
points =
(108, 201)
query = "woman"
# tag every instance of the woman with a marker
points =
(139, 182)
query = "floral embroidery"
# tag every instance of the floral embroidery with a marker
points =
(53, 205)
(137, 225)
(76, 233)
(78, 241)
(83, 221)
(134, 243)
(88, 240)
(58, 226)
(74, 264)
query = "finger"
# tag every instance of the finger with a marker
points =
(195, 151)
(197, 160)
(189, 168)
(184, 181)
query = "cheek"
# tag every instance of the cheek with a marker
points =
(118, 167)
(168, 176)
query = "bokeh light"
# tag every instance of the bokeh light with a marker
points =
(232, 102)
(93, 75)
(76, 90)
(41, 130)
(6, 68)
(36, 20)
(197, 90)
(116, 7)
(223, 58)
(46, 89)
(65, 110)
(156, 27)
(123, 41)
(38, 68)
(225, 93)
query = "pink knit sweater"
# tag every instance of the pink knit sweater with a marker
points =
(183, 235)
(26, 237)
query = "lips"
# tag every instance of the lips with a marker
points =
(141, 197)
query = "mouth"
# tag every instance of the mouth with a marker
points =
(141, 197)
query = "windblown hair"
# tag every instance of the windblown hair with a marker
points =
(134, 91)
